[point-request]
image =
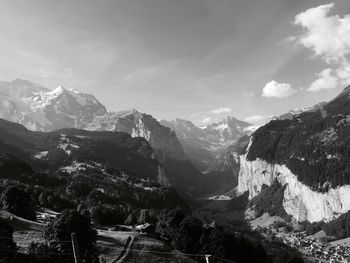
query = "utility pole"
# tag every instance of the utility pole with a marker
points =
(75, 246)
(207, 258)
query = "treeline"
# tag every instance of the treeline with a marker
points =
(221, 241)
(314, 147)
(57, 247)
(108, 200)
(338, 228)
(91, 199)
(270, 200)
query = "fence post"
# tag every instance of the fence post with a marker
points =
(75, 246)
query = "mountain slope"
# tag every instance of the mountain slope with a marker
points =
(179, 171)
(213, 149)
(205, 146)
(307, 152)
(68, 149)
(40, 109)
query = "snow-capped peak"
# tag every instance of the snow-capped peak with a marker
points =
(75, 91)
(57, 91)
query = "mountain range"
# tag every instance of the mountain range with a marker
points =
(303, 153)
(213, 149)
(182, 149)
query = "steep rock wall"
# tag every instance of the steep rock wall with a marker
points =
(299, 200)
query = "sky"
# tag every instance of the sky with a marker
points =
(194, 59)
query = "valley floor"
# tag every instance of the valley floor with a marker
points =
(314, 248)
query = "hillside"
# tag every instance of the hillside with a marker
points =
(308, 154)
(214, 149)
(40, 109)
(204, 146)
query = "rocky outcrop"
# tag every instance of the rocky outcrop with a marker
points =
(207, 146)
(41, 109)
(299, 201)
(307, 153)
(137, 124)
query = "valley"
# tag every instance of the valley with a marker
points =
(184, 131)
(224, 185)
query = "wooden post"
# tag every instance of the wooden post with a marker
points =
(75, 246)
(207, 258)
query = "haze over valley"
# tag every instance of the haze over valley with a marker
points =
(175, 131)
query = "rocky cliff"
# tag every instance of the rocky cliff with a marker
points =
(308, 155)
(300, 201)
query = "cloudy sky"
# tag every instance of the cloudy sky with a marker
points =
(193, 59)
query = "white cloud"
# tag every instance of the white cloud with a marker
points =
(326, 80)
(343, 73)
(206, 120)
(221, 110)
(255, 119)
(327, 35)
(277, 90)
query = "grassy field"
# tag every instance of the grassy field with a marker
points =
(110, 244)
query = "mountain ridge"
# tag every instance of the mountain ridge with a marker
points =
(47, 110)
(308, 153)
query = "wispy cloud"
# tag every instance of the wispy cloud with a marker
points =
(255, 119)
(221, 110)
(152, 72)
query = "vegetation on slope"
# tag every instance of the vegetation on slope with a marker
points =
(314, 145)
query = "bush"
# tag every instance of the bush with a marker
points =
(188, 234)
(18, 202)
(107, 214)
(8, 248)
(70, 221)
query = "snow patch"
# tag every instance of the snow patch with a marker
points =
(41, 155)
(219, 198)
(141, 131)
(76, 166)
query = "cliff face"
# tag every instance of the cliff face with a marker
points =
(300, 201)
(308, 155)
(137, 124)
(176, 169)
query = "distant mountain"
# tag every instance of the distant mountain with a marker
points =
(308, 154)
(203, 145)
(213, 149)
(20, 88)
(41, 109)
(292, 113)
(179, 170)
(38, 108)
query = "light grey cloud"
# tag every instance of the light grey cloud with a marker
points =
(221, 110)
(255, 119)
(326, 80)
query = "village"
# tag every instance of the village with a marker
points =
(314, 248)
